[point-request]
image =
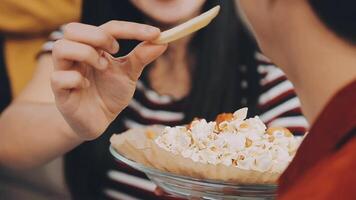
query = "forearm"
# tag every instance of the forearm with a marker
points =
(32, 134)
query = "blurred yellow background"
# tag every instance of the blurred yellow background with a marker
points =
(25, 26)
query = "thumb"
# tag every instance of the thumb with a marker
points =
(142, 55)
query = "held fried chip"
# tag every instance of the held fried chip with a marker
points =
(188, 27)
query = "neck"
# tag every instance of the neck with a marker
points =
(172, 68)
(176, 54)
(317, 62)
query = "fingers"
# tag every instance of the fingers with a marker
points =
(81, 43)
(64, 81)
(130, 30)
(142, 55)
(71, 79)
(103, 37)
(91, 35)
(65, 51)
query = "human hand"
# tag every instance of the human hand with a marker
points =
(90, 86)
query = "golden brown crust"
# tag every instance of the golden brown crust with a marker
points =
(150, 134)
(286, 132)
(221, 118)
(248, 142)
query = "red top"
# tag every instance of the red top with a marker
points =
(324, 166)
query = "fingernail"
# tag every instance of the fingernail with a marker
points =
(115, 47)
(103, 62)
(86, 83)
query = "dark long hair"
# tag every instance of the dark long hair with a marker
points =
(339, 16)
(223, 54)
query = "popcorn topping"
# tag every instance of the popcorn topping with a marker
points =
(232, 140)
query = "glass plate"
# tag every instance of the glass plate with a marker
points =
(193, 188)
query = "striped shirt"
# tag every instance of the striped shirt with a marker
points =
(277, 105)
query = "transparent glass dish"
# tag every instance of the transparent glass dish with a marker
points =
(193, 188)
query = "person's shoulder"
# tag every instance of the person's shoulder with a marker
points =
(331, 178)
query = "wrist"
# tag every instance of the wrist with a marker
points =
(71, 135)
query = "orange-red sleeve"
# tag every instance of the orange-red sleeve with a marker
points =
(332, 178)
